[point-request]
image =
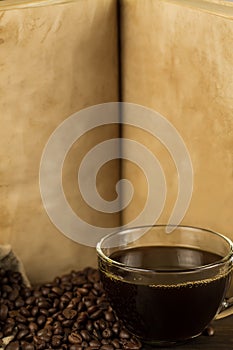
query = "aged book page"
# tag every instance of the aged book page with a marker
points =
(56, 58)
(178, 61)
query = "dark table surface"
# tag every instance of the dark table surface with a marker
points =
(221, 340)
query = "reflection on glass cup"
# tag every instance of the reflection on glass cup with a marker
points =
(166, 287)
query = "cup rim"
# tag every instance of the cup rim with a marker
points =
(115, 263)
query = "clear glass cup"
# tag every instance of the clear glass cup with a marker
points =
(166, 287)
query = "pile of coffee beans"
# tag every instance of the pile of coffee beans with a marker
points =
(72, 312)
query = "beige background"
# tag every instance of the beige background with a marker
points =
(54, 60)
(179, 61)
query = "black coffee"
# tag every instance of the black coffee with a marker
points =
(165, 311)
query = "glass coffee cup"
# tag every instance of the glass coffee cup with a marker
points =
(166, 287)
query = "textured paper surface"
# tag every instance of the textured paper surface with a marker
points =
(179, 61)
(55, 59)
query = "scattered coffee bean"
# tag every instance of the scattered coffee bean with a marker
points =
(107, 347)
(124, 334)
(13, 346)
(3, 312)
(208, 331)
(21, 334)
(69, 313)
(75, 338)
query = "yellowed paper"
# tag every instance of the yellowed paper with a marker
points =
(178, 60)
(55, 59)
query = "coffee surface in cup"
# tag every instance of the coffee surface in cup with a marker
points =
(167, 311)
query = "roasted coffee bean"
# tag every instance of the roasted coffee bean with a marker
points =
(88, 301)
(60, 317)
(74, 302)
(38, 341)
(81, 306)
(56, 341)
(13, 313)
(107, 333)
(58, 331)
(43, 304)
(52, 310)
(30, 300)
(95, 292)
(21, 319)
(208, 331)
(57, 290)
(52, 295)
(115, 329)
(19, 302)
(67, 323)
(24, 311)
(83, 291)
(21, 326)
(45, 333)
(85, 335)
(82, 317)
(21, 334)
(44, 312)
(136, 341)
(61, 305)
(130, 346)
(97, 334)
(37, 293)
(3, 312)
(70, 313)
(68, 294)
(67, 286)
(45, 291)
(8, 330)
(107, 347)
(26, 292)
(41, 320)
(76, 347)
(104, 306)
(13, 295)
(98, 286)
(93, 276)
(56, 302)
(35, 311)
(96, 324)
(89, 325)
(124, 334)
(102, 324)
(6, 288)
(10, 321)
(94, 343)
(96, 314)
(116, 343)
(13, 346)
(109, 316)
(65, 299)
(33, 327)
(84, 344)
(27, 346)
(75, 338)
